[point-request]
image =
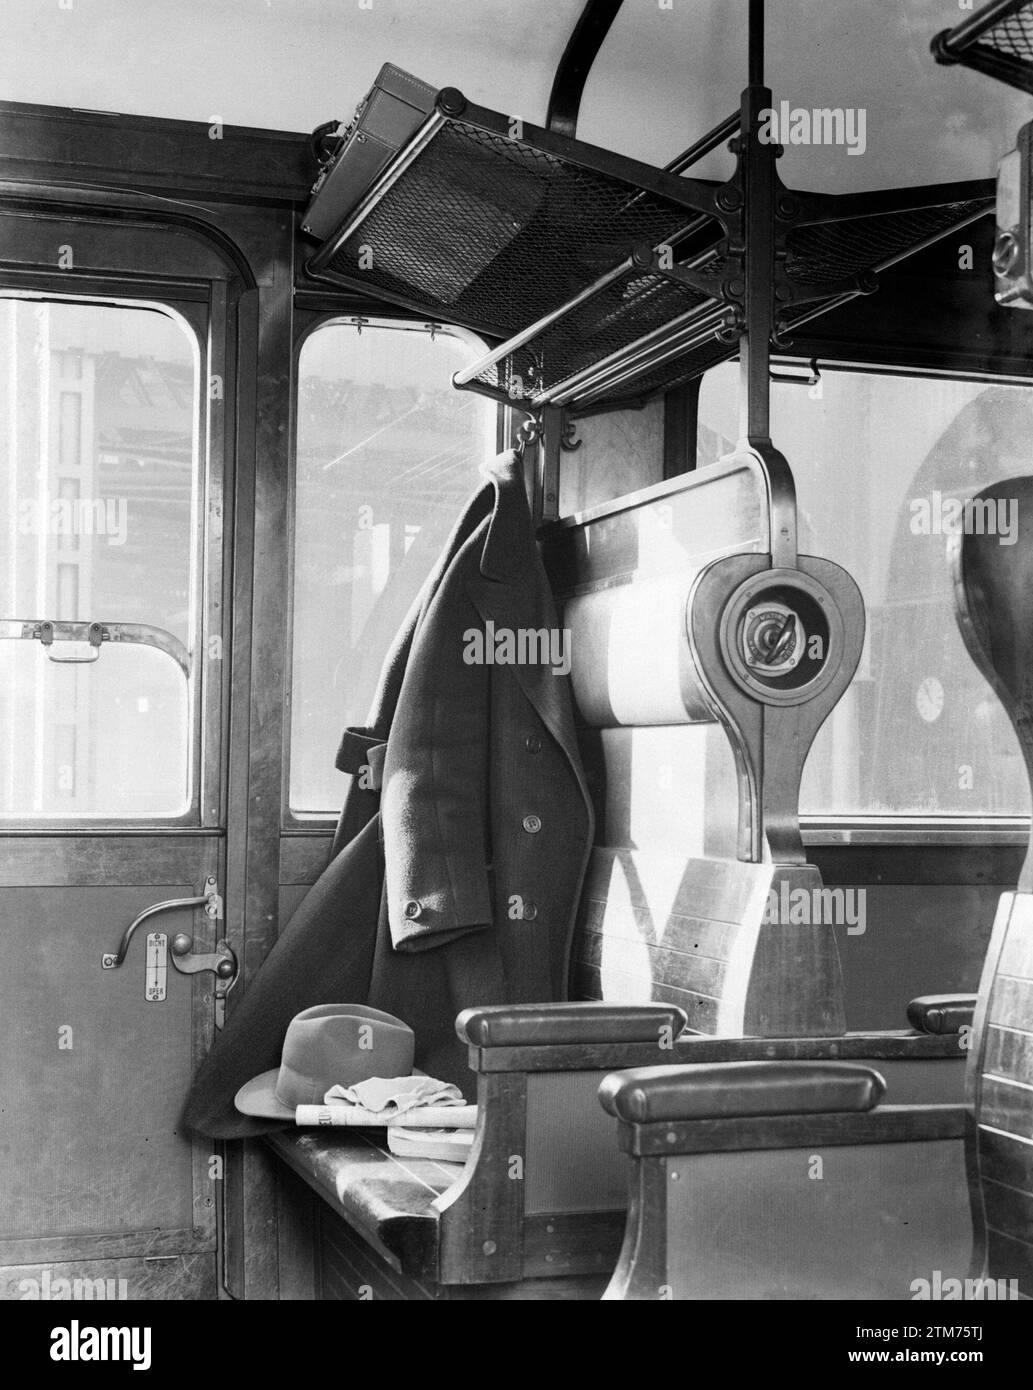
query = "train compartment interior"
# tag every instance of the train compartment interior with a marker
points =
(514, 660)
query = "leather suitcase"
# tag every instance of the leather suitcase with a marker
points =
(394, 108)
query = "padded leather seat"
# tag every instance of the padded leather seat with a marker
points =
(648, 1095)
(942, 1013)
(501, 1025)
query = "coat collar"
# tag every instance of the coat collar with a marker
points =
(509, 546)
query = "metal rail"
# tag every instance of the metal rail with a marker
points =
(960, 46)
(951, 43)
(93, 634)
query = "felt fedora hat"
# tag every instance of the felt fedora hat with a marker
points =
(330, 1045)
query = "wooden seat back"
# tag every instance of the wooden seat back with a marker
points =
(696, 756)
(993, 578)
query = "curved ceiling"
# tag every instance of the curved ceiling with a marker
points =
(669, 70)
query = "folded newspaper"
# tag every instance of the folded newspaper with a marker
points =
(356, 1117)
(445, 1145)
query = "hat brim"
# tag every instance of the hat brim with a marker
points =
(258, 1097)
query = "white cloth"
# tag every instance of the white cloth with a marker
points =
(389, 1096)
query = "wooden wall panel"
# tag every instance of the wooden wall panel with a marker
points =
(572, 1161)
(145, 1279)
(873, 1221)
(95, 1073)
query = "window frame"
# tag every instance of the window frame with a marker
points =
(192, 306)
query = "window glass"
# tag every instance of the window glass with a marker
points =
(387, 454)
(99, 469)
(877, 460)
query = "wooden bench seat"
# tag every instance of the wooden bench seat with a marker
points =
(539, 1208)
(390, 1201)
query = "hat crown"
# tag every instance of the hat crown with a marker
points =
(340, 1045)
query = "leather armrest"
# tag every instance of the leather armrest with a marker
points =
(941, 1013)
(723, 1090)
(529, 1025)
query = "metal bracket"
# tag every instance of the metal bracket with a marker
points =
(657, 261)
(813, 379)
(790, 292)
(95, 634)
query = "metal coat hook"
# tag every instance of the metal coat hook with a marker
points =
(569, 443)
(529, 431)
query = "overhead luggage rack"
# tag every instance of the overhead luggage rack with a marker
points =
(641, 332)
(492, 229)
(997, 40)
(605, 279)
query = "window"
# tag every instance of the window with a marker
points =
(99, 468)
(387, 455)
(877, 460)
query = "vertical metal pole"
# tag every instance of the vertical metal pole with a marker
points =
(758, 167)
(760, 189)
(755, 38)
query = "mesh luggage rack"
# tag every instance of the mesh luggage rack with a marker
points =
(534, 239)
(495, 231)
(609, 350)
(997, 40)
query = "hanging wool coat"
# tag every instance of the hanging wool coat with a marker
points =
(458, 861)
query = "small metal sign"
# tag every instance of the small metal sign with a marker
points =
(157, 966)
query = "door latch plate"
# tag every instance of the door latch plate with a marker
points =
(156, 975)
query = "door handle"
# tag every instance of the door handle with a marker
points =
(222, 962)
(209, 900)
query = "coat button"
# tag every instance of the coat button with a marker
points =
(533, 743)
(532, 824)
(530, 910)
(412, 908)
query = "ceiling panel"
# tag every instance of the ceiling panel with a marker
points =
(667, 75)
(670, 69)
(280, 64)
